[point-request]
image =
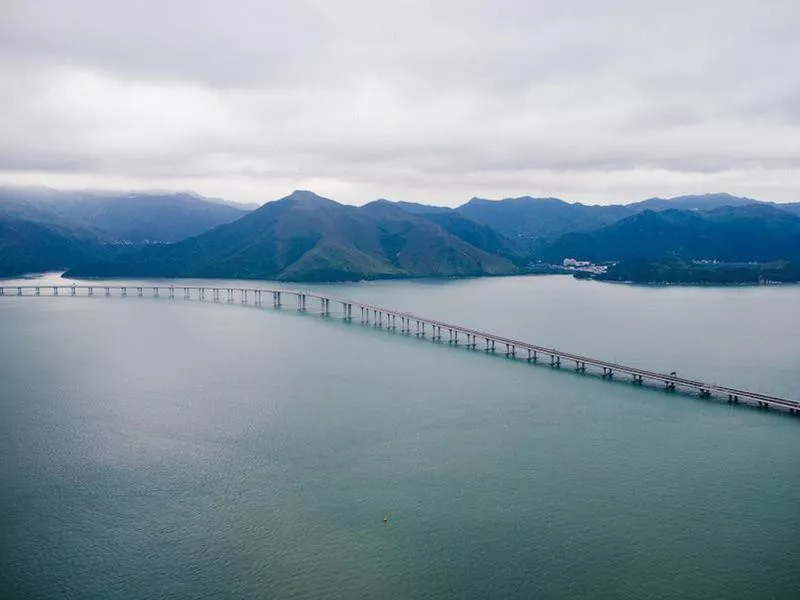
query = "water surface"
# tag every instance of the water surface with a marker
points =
(171, 449)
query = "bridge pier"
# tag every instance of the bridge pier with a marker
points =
(671, 381)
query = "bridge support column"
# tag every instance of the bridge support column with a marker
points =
(637, 379)
(155, 292)
(394, 322)
(19, 291)
(36, 291)
(3, 291)
(108, 292)
(670, 385)
(171, 293)
(91, 291)
(72, 291)
(423, 329)
(580, 366)
(55, 291)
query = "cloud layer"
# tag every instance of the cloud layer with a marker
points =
(430, 101)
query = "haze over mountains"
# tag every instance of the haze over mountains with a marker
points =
(305, 237)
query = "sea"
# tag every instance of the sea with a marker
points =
(165, 448)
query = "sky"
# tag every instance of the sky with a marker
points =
(426, 101)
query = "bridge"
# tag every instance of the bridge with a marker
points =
(421, 327)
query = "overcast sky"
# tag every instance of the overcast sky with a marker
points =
(430, 101)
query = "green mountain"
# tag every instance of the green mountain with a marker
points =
(534, 222)
(749, 232)
(681, 271)
(132, 218)
(701, 202)
(310, 238)
(28, 247)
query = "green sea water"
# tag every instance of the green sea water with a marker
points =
(155, 448)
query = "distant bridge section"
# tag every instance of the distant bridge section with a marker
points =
(421, 327)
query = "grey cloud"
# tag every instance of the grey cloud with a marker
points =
(418, 98)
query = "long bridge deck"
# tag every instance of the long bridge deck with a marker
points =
(411, 324)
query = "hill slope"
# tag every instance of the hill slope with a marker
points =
(27, 247)
(534, 222)
(133, 218)
(750, 232)
(307, 237)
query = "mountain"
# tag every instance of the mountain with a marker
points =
(478, 235)
(310, 238)
(534, 222)
(28, 247)
(133, 218)
(675, 270)
(749, 232)
(419, 209)
(792, 207)
(701, 202)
